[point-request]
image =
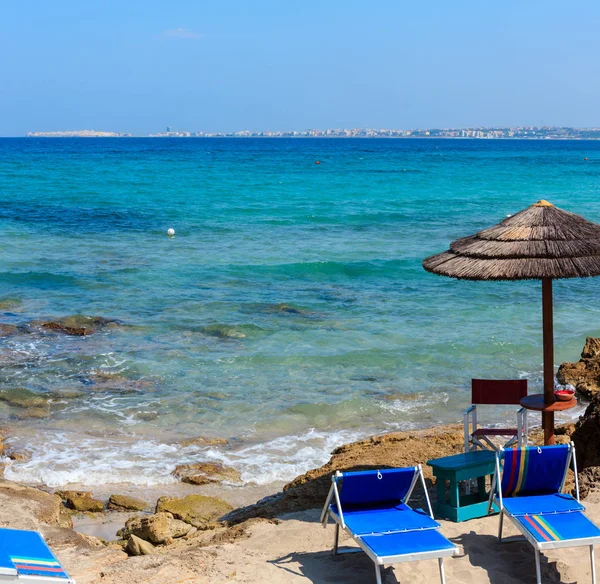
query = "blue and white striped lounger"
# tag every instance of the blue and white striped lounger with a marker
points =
(529, 492)
(25, 558)
(371, 506)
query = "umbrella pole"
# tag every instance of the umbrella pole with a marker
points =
(548, 333)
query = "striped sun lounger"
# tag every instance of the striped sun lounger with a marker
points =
(528, 491)
(371, 506)
(25, 558)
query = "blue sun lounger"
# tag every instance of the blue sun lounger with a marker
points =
(26, 559)
(371, 506)
(529, 492)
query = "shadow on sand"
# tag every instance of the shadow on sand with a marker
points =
(507, 561)
(324, 567)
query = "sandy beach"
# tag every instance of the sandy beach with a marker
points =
(280, 539)
(296, 549)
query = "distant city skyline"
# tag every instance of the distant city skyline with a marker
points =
(496, 132)
(227, 65)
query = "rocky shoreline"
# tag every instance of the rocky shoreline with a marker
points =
(180, 534)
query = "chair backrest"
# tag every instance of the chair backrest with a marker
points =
(536, 470)
(498, 391)
(376, 487)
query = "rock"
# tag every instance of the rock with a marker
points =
(107, 381)
(223, 331)
(122, 543)
(126, 503)
(67, 330)
(78, 324)
(8, 330)
(398, 449)
(155, 528)
(197, 510)
(46, 507)
(204, 473)
(32, 413)
(587, 436)
(585, 374)
(81, 501)
(10, 304)
(21, 397)
(19, 455)
(203, 441)
(589, 480)
(138, 547)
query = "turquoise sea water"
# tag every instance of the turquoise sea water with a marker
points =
(290, 312)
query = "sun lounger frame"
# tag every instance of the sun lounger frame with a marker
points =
(537, 545)
(380, 561)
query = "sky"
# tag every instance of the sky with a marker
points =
(226, 65)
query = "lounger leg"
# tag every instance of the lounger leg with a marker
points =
(377, 574)
(593, 564)
(336, 538)
(500, 527)
(538, 570)
(442, 576)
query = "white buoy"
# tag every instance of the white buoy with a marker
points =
(170, 232)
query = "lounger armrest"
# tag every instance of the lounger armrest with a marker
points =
(470, 409)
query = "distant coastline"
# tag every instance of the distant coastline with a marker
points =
(485, 133)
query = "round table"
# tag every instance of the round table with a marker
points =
(536, 402)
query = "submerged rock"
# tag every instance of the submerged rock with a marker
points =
(126, 503)
(67, 330)
(79, 324)
(32, 414)
(138, 547)
(585, 374)
(204, 473)
(10, 303)
(196, 510)
(108, 381)
(8, 330)
(157, 528)
(81, 501)
(223, 331)
(203, 441)
(23, 398)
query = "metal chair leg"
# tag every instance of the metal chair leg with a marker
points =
(336, 538)
(442, 575)
(593, 564)
(500, 527)
(538, 569)
(378, 574)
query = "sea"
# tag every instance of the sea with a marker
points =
(288, 314)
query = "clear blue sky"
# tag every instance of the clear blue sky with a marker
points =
(129, 65)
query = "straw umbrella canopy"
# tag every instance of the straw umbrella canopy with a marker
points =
(541, 242)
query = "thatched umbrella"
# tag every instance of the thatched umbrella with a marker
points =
(541, 242)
